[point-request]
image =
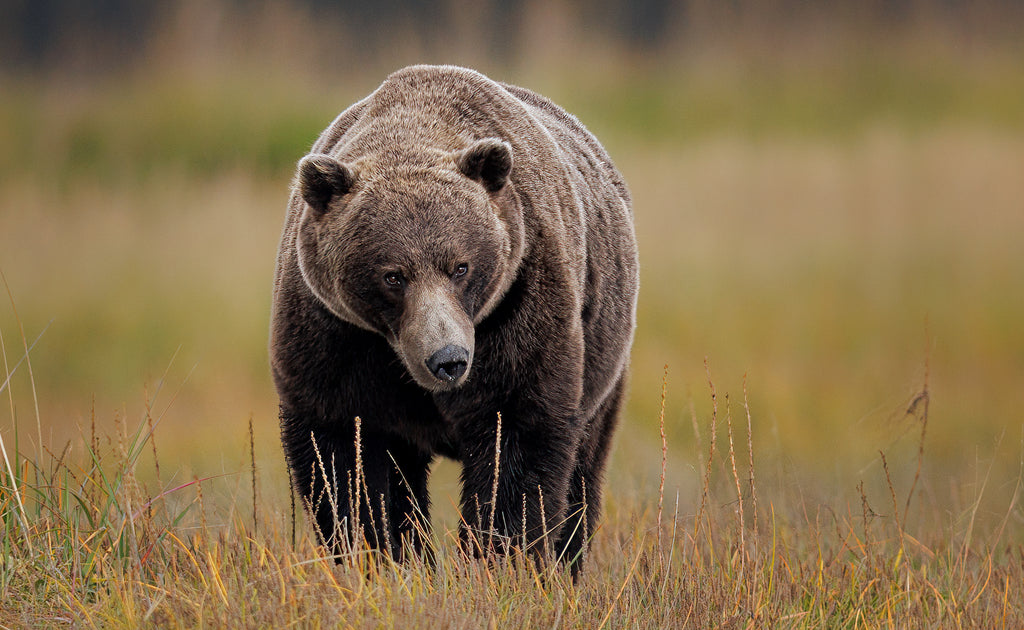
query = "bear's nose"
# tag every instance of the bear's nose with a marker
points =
(448, 363)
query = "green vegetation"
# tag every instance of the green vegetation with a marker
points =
(137, 132)
(839, 237)
(838, 101)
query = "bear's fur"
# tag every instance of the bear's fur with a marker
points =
(454, 248)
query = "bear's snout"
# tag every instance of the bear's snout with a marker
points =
(449, 363)
(435, 337)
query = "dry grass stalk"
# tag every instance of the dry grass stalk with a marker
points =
(474, 532)
(356, 493)
(919, 405)
(252, 471)
(750, 453)
(313, 502)
(711, 455)
(385, 526)
(586, 527)
(152, 438)
(202, 508)
(363, 489)
(866, 512)
(545, 551)
(9, 469)
(494, 486)
(28, 364)
(696, 433)
(895, 507)
(524, 547)
(664, 453)
(739, 490)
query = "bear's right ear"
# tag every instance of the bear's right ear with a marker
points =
(488, 161)
(321, 178)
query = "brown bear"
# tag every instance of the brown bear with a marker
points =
(454, 249)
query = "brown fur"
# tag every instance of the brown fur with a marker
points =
(455, 248)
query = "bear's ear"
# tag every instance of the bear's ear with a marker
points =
(321, 178)
(488, 161)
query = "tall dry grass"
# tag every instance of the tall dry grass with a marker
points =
(86, 543)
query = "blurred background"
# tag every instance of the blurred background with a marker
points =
(829, 202)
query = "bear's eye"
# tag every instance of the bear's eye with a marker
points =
(460, 270)
(393, 279)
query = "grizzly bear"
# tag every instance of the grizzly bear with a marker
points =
(455, 250)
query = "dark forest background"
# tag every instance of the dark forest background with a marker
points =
(104, 35)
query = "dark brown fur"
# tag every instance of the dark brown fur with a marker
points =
(449, 220)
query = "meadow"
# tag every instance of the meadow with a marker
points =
(824, 426)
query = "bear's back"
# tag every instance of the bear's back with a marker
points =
(576, 142)
(448, 107)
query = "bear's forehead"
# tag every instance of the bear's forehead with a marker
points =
(436, 216)
(422, 192)
(412, 175)
(421, 209)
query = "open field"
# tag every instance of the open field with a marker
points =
(853, 272)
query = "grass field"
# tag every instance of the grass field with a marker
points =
(831, 272)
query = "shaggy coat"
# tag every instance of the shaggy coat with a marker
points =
(454, 249)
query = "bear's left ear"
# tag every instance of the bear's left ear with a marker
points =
(321, 178)
(488, 161)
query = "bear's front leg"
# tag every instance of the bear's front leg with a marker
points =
(525, 508)
(354, 496)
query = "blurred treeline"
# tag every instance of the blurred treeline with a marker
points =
(113, 34)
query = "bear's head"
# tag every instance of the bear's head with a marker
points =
(417, 252)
